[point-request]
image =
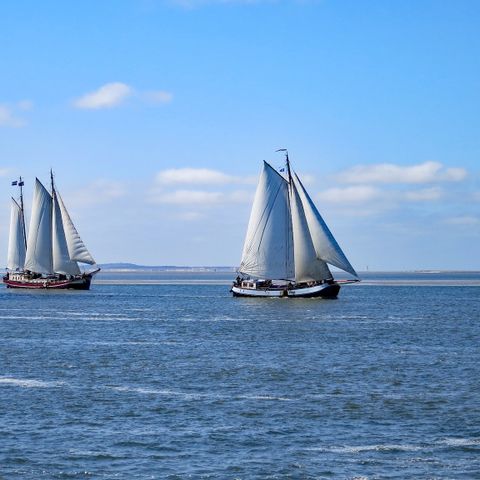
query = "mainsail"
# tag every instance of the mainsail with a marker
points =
(39, 243)
(16, 241)
(268, 248)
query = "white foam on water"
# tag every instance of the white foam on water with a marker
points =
(349, 449)
(198, 395)
(28, 383)
(460, 442)
(265, 397)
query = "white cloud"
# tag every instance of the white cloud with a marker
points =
(97, 192)
(108, 96)
(427, 172)
(426, 194)
(201, 3)
(9, 119)
(189, 197)
(198, 176)
(158, 96)
(199, 198)
(190, 216)
(349, 195)
(25, 105)
(466, 220)
(114, 94)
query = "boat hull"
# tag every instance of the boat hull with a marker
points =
(77, 283)
(325, 290)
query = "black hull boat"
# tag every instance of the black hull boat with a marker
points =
(258, 289)
(288, 246)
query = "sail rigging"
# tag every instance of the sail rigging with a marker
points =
(54, 245)
(287, 239)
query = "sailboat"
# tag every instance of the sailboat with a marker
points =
(48, 257)
(288, 246)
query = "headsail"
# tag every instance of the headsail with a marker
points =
(16, 241)
(324, 242)
(39, 243)
(76, 248)
(268, 248)
(61, 257)
(307, 266)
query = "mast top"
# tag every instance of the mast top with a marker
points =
(287, 162)
(51, 180)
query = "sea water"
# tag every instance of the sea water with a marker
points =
(174, 378)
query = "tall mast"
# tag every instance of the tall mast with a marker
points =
(288, 167)
(51, 180)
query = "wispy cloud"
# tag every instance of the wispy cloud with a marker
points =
(199, 176)
(8, 117)
(107, 96)
(424, 195)
(199, 198)
(466, 220)
(193, 176)
(115, 94)
(350, 195)
(427, 172)
(200, 3)
(157, 97)
(189, 197)
(97, 192)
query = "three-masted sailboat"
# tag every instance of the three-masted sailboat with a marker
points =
(48, 257)
(288, 246)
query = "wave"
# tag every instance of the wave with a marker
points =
(28, 383)
(199, 395)
(368, 448)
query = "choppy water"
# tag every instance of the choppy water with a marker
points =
(184, 381)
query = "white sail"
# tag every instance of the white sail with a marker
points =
(61, 257)
(324, 242)
(16, 241)
(76, 248)
(39, 243)
(307, 266)
(268, 248)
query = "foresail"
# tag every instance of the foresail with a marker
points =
(307, 266)
(39, 243)
(16, 241)
(268, 248)
(324, 242)
(61, 257)
(76, 248)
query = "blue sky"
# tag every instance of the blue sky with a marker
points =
(156, 116)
